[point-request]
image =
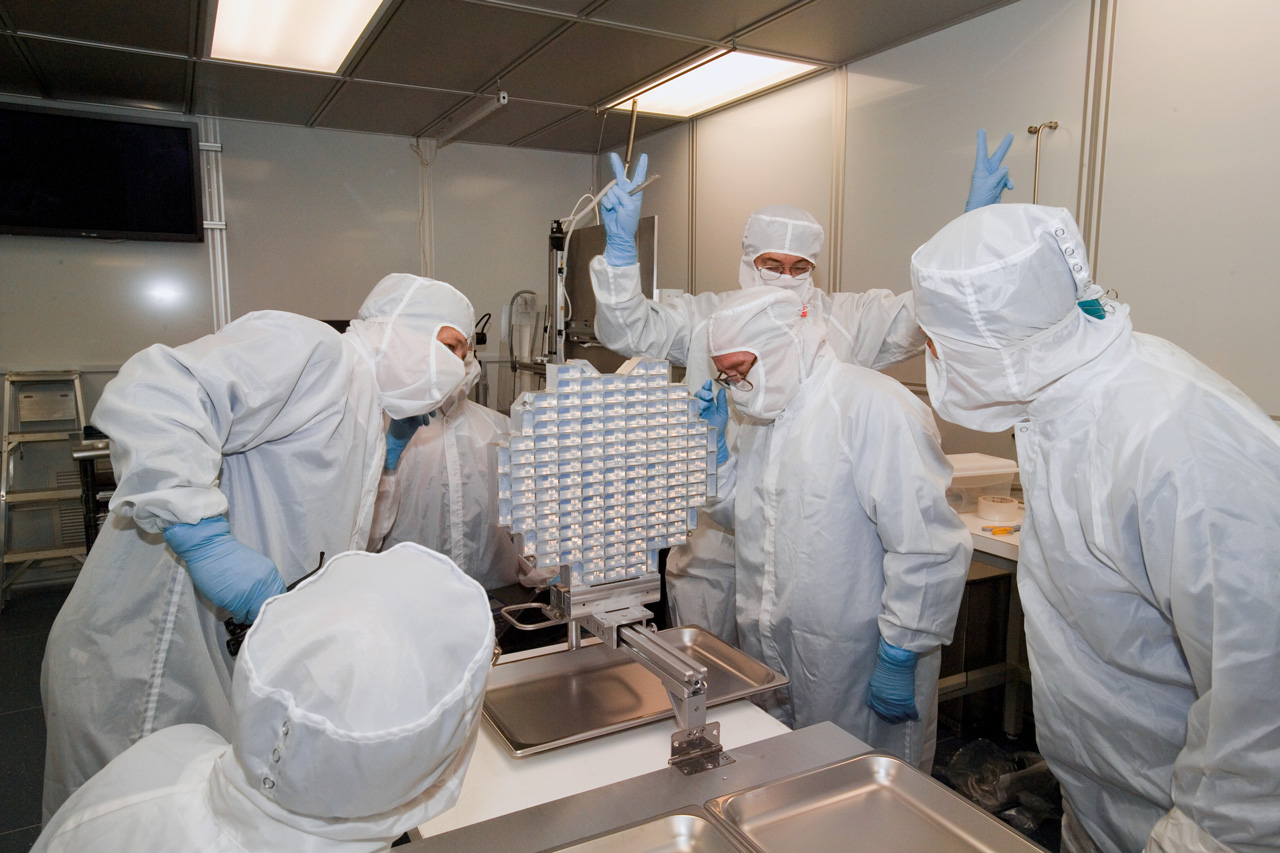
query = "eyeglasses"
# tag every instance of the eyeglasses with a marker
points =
(727, 380)
(772, 270)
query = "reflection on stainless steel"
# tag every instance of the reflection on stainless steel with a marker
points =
(892, 805)
(544, 702)
(686, 832)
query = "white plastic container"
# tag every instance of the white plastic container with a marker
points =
(978, 474)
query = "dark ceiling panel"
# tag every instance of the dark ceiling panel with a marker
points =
(385, 109)
(449, 44)
(258, 94)
(706, 19)
(100, 75)
(567, 7)
(15, 76)
(582, 132)
(590, 63)
(515, 121)
(839, 31)
(162, 26)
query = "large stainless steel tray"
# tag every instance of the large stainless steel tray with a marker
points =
(544, 702)
(872, 802)
(687, 831)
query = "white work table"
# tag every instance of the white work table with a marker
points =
(498, 784)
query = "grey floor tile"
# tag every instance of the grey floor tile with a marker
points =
(31, 611)
(20, 659)
(19, 840)
(22, 770)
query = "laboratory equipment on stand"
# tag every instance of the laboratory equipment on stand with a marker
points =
(599, 474)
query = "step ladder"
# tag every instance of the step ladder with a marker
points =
(42, 524)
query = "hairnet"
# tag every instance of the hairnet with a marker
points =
(359, 692)
(997, 291)
(785, 230)
(767, 322)
(396, 330)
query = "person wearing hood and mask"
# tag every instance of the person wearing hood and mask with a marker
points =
(850, 562)
(444, 491)
(355, 721)
(239, 459)
(1147, 565)
(781, 246)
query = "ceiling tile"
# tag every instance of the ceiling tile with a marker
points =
(385, 109)
(258, 94)
(15, 76)
(515, 121)
(582, 132)
(706, 19)
(449, 44)
(155, 26)
(839, 31)
(100, 75)
(567, 7)
(589, 63)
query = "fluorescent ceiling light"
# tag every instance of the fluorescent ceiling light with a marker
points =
(313, 35)
(713, 83)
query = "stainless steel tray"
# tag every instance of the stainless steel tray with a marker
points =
(544, 702)
(686, 831)
(872, 802)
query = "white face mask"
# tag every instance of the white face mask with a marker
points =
(749, 276)
(769, 393)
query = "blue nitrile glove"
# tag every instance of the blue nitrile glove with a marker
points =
(621, 214)
(892, 694)
(225, 570)
(398, 436)
(989, 177)
(715, 411)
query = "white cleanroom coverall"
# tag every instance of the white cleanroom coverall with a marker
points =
(275, 421)
(875, 329)
(1150, 550)
(843, 532)
(444, 492)
(357, 698)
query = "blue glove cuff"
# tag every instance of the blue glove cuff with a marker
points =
(182, 538)
(896, 658)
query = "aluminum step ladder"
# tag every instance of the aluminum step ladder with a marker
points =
(42, 523)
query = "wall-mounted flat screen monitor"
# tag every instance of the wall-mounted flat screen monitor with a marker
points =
(81, 174)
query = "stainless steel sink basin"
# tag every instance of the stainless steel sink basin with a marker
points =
(685, 832)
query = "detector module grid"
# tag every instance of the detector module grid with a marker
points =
(602, 471)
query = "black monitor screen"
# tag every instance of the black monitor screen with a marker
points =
(81, 175)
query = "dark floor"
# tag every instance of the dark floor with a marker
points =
(24, 626)
(28, 614)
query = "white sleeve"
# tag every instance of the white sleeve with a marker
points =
(631, 324)
(172, 413)
(874, 329)
(902, 487)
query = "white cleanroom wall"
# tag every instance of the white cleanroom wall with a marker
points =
(1188, 203)
(315, 217)
(913, 117)
(775, 149)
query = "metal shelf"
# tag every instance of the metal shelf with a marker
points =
(35, 495)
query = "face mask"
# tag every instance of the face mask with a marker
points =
(468, 382)
(769, 394)
(413, 380)
(749, 276)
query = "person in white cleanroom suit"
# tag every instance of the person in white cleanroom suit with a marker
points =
(850, 562)
(239, 458)
(444, 493)
(357, 700)
(781, 246)
(1148, 561)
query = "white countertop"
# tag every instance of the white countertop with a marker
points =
(497, 784)
(1005, 545)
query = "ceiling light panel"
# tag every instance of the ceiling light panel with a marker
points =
(311, 35)
(726, 78)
